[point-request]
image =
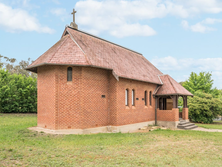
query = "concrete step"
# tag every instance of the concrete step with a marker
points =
(191, 127)
(186, 125)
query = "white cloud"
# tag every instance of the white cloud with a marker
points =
(14, 20)
(118, 18)
(24, 4)
(132, 30)
(201, 26)
(58, 11)
(211, 21)
(121, 17)
(61, 12)
(171, 63)
(181, 68)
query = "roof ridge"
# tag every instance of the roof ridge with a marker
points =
(42, 54)
(105, 40)
(73, 39)
(171, 83)
(160, 79)
(58, 49)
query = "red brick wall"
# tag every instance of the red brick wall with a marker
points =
(168, 115)
(78, 104)
(46, 97)
(69, 99)
(112, 99)
(94, 107)
(138, 113)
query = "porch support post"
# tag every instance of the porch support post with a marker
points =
(185, 109)
(175, 101)
(184, 101)
(156, 106)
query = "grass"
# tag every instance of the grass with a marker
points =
(214, 125)
(21, 147)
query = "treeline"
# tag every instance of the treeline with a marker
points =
(207, 101)
(18, 87)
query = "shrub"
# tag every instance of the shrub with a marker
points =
(18, 93)
(203, 107)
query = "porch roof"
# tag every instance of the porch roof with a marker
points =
(171, 87)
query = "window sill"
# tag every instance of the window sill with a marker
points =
(133, 107)
(127, 107)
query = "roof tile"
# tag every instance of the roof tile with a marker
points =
(171, 87)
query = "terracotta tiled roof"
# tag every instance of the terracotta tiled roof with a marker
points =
(80, 48)
(65, 51)
(171, 87)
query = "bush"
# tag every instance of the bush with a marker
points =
(203, 107)
(18, 93)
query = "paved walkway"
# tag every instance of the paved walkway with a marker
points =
(207, 130)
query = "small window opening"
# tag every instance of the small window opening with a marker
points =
(126, 97)
(145, 98)
(69, 74)
(150, 98)
(133, 97)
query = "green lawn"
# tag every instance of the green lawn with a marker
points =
(21, 147)
(214, 125)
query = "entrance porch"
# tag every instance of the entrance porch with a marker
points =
(166, 96)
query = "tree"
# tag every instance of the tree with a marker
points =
(9, 64)
(201, 82)
(204, 107)
(18, 87)
(18, 93)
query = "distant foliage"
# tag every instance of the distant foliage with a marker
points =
(18, 87)
(9, 64)
(201, 82)
(207, 101)
(18, 93)
(204, 107)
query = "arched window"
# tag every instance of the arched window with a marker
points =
(127, 97)
(69, 74)
(150, 98)
(133, 97)
(145, 98)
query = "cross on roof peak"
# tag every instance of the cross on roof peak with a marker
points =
(73, 24)
(73, 13)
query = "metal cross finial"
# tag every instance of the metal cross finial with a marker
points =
(73, 13)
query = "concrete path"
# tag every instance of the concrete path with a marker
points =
(207, 130)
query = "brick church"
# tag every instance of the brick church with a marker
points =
(87, 82)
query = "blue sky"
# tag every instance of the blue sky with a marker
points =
(177, 36)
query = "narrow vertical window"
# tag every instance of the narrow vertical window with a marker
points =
(133, 97)
(69, 74)
(126, 97)
(150, 98)
(145, 98)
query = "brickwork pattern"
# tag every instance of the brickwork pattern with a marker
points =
(185, 113)
(168, 115)
(46, 97)
(138, 113)
(93, 98)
